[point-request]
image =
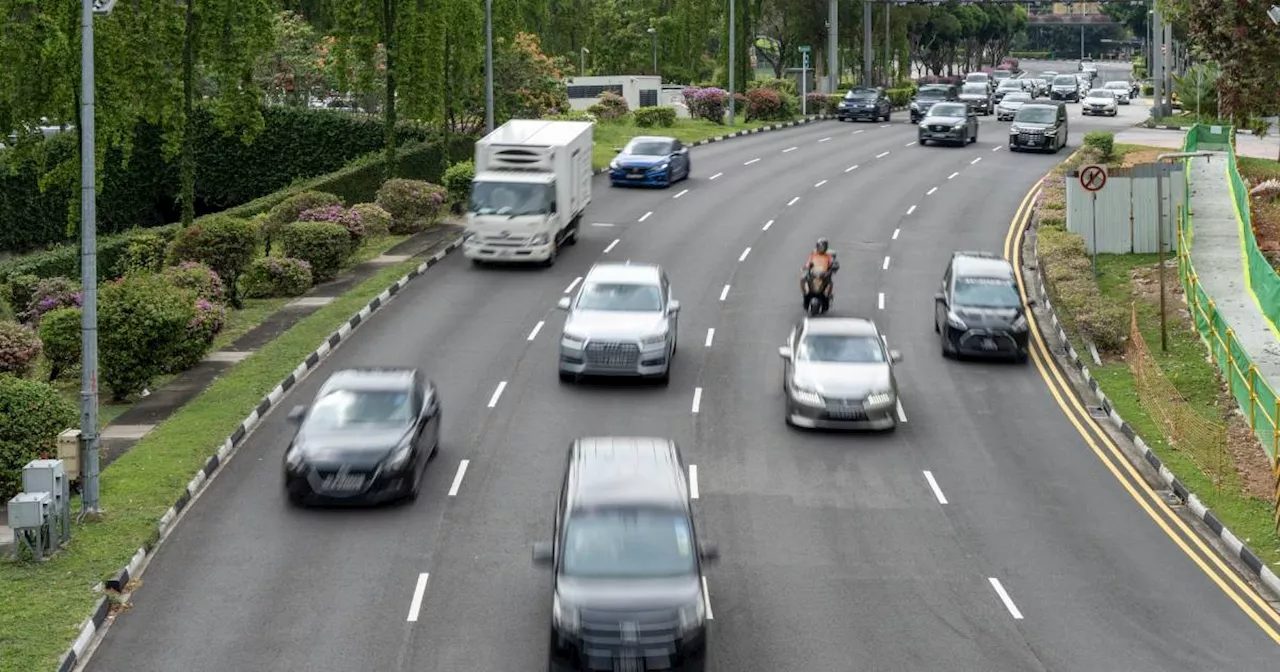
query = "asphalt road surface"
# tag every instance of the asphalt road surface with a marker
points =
(983, 535)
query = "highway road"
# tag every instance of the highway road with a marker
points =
(984, 534)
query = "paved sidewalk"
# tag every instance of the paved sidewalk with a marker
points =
(1216, 256)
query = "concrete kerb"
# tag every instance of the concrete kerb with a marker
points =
(120, 582)
(1198, 509)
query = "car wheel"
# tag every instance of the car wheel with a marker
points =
(551, 258)
(888, 116)
(296, 500)
(924, 143)
(665, 379)
(477, 262)
(566, 377)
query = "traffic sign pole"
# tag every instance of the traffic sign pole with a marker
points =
(1093, 179)
(804, 81)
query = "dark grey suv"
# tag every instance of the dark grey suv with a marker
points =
(949, 123)
(978, 311)
(1039, 127)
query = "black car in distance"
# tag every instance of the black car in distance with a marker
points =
(628, 591)
(979, 311)
(949, 123)
(1040, 127)
(929, 95)
(366, 438)
(865, 102)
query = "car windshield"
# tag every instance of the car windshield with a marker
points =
(1002, 74)
(1017, 98)
(360, 409)
(623, 297)
(986, 293)
(511, 198)
(979, 89)
(1011, 85)
(1064, 80)
(860, 94)
(976, 77)
(947, 110)
(648, 148)
(628, 543)
(937, 94)
(1102, 93)
(1119, 86)
(841, 349)
(1036, 115)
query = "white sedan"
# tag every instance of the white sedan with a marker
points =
(1121, 90)
(1099, 102)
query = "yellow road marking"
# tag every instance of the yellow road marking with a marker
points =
(1220, 573)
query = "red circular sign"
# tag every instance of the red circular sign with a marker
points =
(1093, 178)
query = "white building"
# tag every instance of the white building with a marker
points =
(637, 90)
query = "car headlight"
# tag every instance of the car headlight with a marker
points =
(663, 166)
(955, 322)
(1019, 324)
(564, 615)
(539, 239)
(1014, 130)
(572, 339)
(958, 125)
(693, 617)
(805, 396)
(614, 164)
(1051, 132)
(655, 339)
(399, 458)
(880, 399)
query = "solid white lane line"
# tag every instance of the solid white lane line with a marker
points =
(824, 139)
(573, 284)
(996, 148)
(1004, 597)
(744, 254)
(819, 184)
(536, 328)
(457, 478)
(793, 201)
(645, 216)
(895, 233)
(497, 394)
(693, 481)
(767, 225)
(930, 192)
(850, 169)
(902, 415)
(910, 143)
(681, 194)
(706, 597)
(881, 155)
(885, 267)
(715, 176)
(911, 209)
(933, 484)
(750, 162)
(790, 149)
(711, 335)
(724, 292)
(975, 160)
(880, 301)
(415, 606)
(603, 224)
(697, 399)
(858, 131)
(612, 245)
(952, 175)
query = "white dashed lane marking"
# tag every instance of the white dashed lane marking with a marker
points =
(910, 143)
(790, 149)
(536, 328)
(693, 481)
(573, 284)
(911, 209)
(711, 335)
(881, 155)
(767, 225)
(824, 139)
(930, 192)
(1004, 597)
(612, 245)
(457, 478)
(996, 148)
(819, 184)
(706, 597)
(697, 399)
(601, 224)
(975, 160)
(745, 252)
(715, 176)
(747, 163)
(952, 176)
(793, 201)
(933, 484)
(850, 169)
(682, 193)
(895, 233)
(420, 590)
(885, 267)
(858, 131)
(645, 216)
(880, 301)
(497, 394)
(724, 293)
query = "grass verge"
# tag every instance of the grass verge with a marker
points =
(1189, 119)
(610, 136)
(46, 603)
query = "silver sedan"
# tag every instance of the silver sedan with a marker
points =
(621, 323)
(838, 374)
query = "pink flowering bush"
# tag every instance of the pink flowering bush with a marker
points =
(414, 205)
(708, 103)
(202, 329)
(19, 348)
(271, 277)
(199, 279)
(51, 294)
(336, 214)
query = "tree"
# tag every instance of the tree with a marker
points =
(527, 83)
(1242, 40)
(293, 70)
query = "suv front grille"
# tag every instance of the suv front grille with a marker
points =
(614, 355)
(938, 128)
(635, 635)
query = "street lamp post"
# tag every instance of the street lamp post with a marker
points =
(582, 54)
(488, 66)
(653, 33)
(733, 112)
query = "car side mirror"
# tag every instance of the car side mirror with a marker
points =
(543, 553)
(553, 207)
(895, 356)
(673, 307)
(939, 297)
(785, 352)
(563, 303)
(297, 413)
(708, 552)
(684, 150)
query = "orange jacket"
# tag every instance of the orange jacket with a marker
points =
(819, 261)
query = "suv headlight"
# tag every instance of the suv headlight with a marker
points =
(693, 616)
(573, 339)
(1019, 324)
(880, 399)
(956, 323)
(565, 616)
(805, 396)
(614, 164)
(655, 339)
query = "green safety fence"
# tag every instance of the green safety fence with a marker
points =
(1251, 391)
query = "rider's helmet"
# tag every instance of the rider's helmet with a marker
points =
(822, 246)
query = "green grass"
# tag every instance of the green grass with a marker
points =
(46, 603)
(1188, 119)
(374, 248)
(611, 136)
(1195, 377)
(1258, 170)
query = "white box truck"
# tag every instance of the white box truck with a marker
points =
(531, 186)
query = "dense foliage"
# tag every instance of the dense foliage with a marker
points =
(32, 414)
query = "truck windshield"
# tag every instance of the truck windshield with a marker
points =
(511, 198)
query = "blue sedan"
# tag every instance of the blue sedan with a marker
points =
(651, 161)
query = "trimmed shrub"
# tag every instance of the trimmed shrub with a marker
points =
(414, 205)
(710, 103)
(787, 86)
(1053, 198)
(51, 294)
(823, 103)
(143, 253)
(19, 349)
(223, 243)
(288, 211)
(377, 222)
(204, 327)
(271, 277)
(766, 104)
(18, 291)
(611, 107)
(60, 334)
(32, 414)
(142, 323)
(572, 115)
(336, 214)
(1068, 276)
(655, 117)
(198, 279)
(1103, 142)
(323, 245)
(900, 97)
(457, 182)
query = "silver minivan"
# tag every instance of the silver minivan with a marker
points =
(622, 322)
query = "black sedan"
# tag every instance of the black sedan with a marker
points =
(979, 312)
(949, 123)
(869, 103)
(366, 438)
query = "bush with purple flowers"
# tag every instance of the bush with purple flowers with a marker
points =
(198, 279)
(271, 277)
(19, 348)
(414, 205)
(707, 103)
(204, 327)
(377, 222)
(336, 214)
(52, 294)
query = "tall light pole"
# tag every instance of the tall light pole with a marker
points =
(488, 66)
(653, 33)
(888, 78)
(866, 43)
(91, 501)
(733, 65)
(833, 49)
(582, 54)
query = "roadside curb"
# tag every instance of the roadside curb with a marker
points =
(120, 582)
(1201, 512)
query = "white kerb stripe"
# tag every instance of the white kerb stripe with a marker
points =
(1004, 597)
(420, 590)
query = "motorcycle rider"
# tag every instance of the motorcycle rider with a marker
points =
(820, 260)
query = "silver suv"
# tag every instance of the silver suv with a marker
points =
(621, 323)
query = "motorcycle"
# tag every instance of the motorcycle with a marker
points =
(816, 285)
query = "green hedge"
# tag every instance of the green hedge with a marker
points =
(357, 182)
(1034, 55)
(900, 97)
(294, 144)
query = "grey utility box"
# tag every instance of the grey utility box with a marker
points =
(28, 510)
(46, 476)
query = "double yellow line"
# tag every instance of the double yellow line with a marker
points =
(1102, 445)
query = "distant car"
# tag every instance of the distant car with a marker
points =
(1009, 107)
(650, 160)
(1001, 75)
(1100, 102)
(949, 123)
(865, 102)
(1085, 80)
(1039, 127)
(622, 322)
(978, 310)
(1122, 89)
(366, 438)
(1049, 75)
(626, 560)
(838, 374)
(982, 78)
(1008, 86)
(1065, 88)
(977, 96)
(927, 96)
